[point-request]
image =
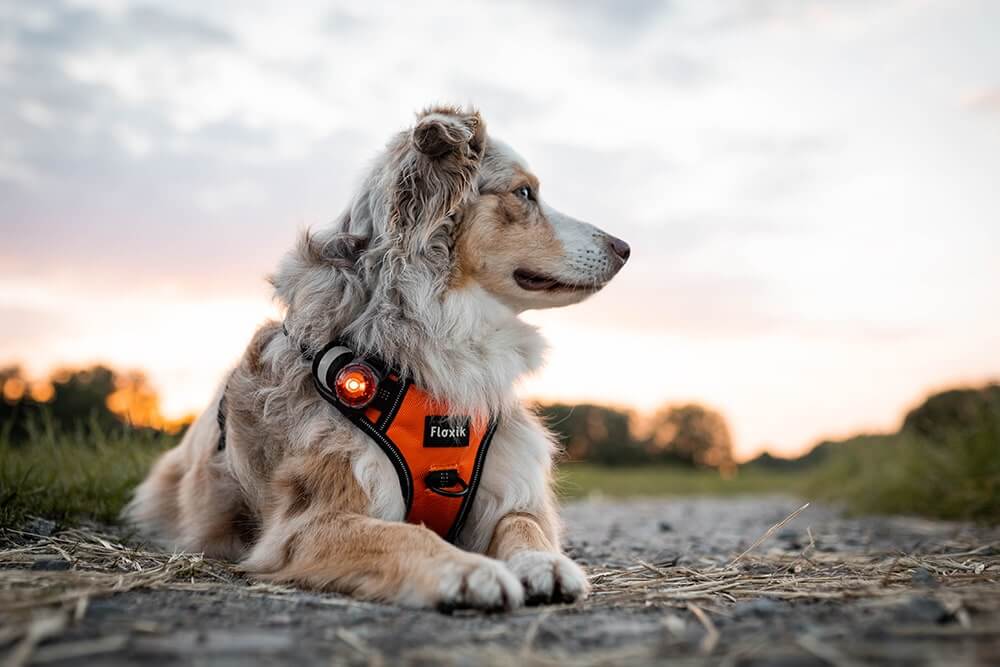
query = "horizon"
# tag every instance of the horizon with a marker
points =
(810, 205)
(140, 409)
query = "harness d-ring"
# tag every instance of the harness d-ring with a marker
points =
(439, 481)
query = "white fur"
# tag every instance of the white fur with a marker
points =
(472, 581)
(545, 574)
(584, 248)
(515, 477)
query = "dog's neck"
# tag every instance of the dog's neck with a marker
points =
(458, 342)
(463, 347)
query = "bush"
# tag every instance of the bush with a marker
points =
(954, 475)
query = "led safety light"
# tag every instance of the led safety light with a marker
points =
(356, 384)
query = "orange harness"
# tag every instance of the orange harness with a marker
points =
(438, 456)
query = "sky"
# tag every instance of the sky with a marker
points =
(810, 187)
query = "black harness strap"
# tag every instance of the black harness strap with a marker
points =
(473, 484)
(391, 393)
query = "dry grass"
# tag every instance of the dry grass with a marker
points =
(40, 603)
(968, 575)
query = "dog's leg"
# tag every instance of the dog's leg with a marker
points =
(316, 535)
(545, 572)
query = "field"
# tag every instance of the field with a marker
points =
(88, 474)
(578, 480)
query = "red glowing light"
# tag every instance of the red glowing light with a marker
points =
(356, 385)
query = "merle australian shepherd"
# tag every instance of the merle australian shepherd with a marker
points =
(445, 242)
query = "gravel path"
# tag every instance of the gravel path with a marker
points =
(924, 627)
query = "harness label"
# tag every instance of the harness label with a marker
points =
(445, 431)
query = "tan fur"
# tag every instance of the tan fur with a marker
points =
(300, 495)
(317, 535)
(499, 232)
(519, 531)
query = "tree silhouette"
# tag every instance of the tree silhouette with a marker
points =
(594, 433)
(692, 433)
(95, 397)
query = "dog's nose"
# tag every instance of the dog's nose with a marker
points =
(620, 248)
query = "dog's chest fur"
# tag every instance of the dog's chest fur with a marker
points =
(275, 412)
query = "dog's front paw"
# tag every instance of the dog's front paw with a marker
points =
(549, 577)
(478, 582)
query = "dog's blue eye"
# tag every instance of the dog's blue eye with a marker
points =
(525, 193)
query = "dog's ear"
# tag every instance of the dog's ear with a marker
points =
(442, 130)
(436, 167)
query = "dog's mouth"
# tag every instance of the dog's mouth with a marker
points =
(539, 282)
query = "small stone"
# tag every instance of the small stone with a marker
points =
(53, 565)
(761, 607)
(923, 609)
(280, 619)
(666, 558)
(924, 578)
(39, 526)
(665, 527)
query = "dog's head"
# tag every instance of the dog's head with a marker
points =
(522, 250)
(444, 209)
(448, 196)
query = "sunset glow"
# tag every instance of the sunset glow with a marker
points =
(810, 192)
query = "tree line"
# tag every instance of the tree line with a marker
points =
(103, 398)
(96, 397)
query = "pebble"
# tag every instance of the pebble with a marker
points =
(922, 609)
(55, 565)
(760, 607)
(922, 577)
(42, 527)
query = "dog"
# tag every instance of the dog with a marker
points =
(446, 241)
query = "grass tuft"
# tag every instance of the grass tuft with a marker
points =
(85, 474)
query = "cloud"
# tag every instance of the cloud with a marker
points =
(148, 22)
(755, 14)
(346, 24)
(610, 22)
(25, 327)
(503, 104)
(772, 166)
(683, 70)
(599, 181)
(985, 101)
(776, 145)
(58, 27)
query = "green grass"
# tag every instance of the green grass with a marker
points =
(581, 479)
(957, 477)
(67, 477)
(89, 474)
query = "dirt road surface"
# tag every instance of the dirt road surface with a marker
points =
(671, 586)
